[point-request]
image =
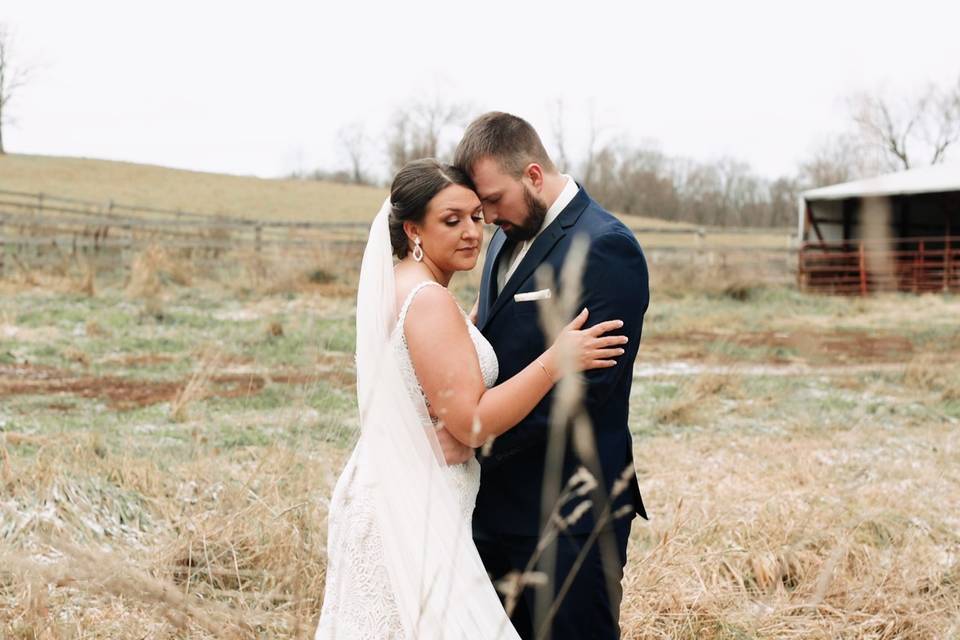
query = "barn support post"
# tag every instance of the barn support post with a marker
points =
(863, 270)
(800, 286)
(948, 264)
(923, 268)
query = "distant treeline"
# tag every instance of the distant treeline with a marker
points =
(885, 132)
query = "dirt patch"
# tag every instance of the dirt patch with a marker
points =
(779, 347)
(140, 360)
(128, 393)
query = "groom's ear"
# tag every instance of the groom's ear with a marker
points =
(534, 173)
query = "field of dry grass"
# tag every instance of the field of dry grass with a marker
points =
(168, 444)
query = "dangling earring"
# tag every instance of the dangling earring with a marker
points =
(417, 250)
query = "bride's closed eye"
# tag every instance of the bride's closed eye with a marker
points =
(452, 222)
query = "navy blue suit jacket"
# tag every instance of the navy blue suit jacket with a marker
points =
(614, 286)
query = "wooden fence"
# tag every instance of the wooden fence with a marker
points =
(39, 229)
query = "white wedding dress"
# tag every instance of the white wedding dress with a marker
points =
(358, 597)
(401, 559)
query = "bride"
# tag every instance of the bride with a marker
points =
(402, 563)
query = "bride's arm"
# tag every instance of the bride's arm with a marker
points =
(474, 311)
(446, 364)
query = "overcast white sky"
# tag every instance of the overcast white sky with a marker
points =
(262, 87)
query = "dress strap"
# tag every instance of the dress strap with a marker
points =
(413, 292)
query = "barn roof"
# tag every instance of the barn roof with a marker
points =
(935, 179)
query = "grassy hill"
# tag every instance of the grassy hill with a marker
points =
(162, 187)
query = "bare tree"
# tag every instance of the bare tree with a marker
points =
(839, 158)
(595, 147)
(12, 78)
(909, 131)
(353, 141)
(783, 202)
(417, 131)
(943, 129)
(559, 138)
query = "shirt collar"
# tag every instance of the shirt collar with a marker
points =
(568, 193)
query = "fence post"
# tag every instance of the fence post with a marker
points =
(257, 231)
(863, 270)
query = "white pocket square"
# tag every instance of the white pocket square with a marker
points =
(543, 294)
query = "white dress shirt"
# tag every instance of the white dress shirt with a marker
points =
(509, 264)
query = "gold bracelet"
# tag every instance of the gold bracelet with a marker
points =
(545, 372)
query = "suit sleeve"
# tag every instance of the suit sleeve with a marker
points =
(615, 287)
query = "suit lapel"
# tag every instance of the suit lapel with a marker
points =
(488, 282)
(536, 254)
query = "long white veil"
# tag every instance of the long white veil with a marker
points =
(441, 587)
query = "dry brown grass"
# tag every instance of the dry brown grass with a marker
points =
(734, 281)
(196, 388)
(70, 275)
(760, 538)
(697, 399)
(842, 530)
(750, 537)
(211, 548)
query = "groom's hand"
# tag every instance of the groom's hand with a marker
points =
(454, 451)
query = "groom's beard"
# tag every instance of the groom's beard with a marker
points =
(536, 214)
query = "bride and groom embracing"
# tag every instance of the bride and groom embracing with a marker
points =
(441, 497)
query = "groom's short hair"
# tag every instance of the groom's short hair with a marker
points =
(508, 139)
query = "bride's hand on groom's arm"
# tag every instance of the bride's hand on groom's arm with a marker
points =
(454, 451)
(578, 349)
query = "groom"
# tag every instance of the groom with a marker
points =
(539, 212)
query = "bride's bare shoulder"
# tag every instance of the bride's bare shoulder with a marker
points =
(406, 279)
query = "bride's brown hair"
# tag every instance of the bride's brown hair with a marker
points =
(414, 186)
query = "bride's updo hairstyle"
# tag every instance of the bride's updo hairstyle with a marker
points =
(414, 186)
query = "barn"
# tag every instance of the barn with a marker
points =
(895, 232)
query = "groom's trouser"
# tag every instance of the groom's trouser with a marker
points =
(588, 610)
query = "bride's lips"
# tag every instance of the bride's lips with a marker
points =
(470, 249)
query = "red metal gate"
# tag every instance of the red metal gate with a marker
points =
(860, 267)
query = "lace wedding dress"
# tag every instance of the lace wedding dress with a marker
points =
(360, 601)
